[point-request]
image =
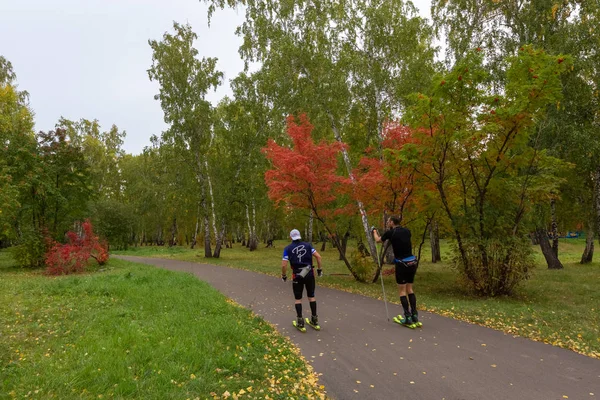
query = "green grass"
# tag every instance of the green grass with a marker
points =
(558, 307)
(132, 331)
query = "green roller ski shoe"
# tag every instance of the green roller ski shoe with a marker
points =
(314, 323)
(299, 324)
(407, 322)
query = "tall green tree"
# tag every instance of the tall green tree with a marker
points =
(184, 82)
(64, 199)
(19, 165)
(244, 125)
(102, 150)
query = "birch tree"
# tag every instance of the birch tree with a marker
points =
(184, 83)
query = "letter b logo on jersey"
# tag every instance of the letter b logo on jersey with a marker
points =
(299, 251)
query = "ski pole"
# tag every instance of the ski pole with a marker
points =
(382, 286)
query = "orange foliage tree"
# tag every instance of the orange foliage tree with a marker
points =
(388, 184)
(383, 184)
(475, 150)
(304, 176)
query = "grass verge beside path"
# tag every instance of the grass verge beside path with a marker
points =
(557, 307)
(137, 332)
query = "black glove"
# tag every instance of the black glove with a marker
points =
(319, 272)
(283, 277)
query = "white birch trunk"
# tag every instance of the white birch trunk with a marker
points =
(212, 201)
(254, 240)
(361, 207)
(195, 237)
(249, 224)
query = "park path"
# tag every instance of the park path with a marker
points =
(360, 355)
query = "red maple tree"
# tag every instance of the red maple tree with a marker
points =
(304, 175)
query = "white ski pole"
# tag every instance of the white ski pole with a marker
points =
(382, 286)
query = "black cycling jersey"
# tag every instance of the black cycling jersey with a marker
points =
(400, 240)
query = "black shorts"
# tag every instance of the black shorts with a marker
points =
(404, 273)
(299, 283)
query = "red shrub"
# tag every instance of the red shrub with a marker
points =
(73, 256)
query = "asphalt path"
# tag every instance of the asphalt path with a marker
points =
(358, 354)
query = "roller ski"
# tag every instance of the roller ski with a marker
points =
(314, 323)
(416, 322)
(405, 321)
(299, 324)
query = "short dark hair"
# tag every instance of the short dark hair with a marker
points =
(395, 220)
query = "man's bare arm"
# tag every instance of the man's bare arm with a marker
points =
(376, 236)
(318, 257)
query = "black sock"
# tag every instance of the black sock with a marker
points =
(313, 308)
(299, 310)
(412, 299)
(404, 302)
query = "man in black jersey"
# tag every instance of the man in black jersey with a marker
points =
(406, 267)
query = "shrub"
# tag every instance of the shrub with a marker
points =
(362, 266)
(494, 267)
(29, 251)
(73, 256)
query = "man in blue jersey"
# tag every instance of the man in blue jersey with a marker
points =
(300, 254)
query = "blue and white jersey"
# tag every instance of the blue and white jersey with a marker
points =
(299, 254)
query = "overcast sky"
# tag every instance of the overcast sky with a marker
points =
(88, 58)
